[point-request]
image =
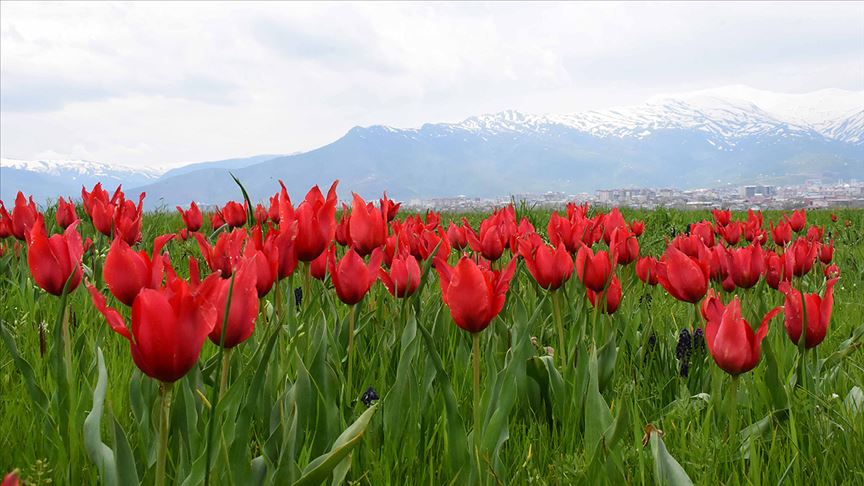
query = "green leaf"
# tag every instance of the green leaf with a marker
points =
(127, 473)
(98, 451)
(399, 403)
(458, 453)
(666, 468)
(597, 414)
(773, 382)
(319, 469)
(36, 394)
(250, 215)
(606, 358)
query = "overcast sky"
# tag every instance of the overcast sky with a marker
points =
(166, 84)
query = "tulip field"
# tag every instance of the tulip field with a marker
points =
(304, 341)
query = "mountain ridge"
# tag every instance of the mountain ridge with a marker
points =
(693, 138)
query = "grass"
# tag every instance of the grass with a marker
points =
(536, 432)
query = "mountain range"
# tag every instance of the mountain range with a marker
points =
(728, 135)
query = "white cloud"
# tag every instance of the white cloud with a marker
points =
(168, 83)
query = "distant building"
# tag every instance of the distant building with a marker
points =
(749, 192)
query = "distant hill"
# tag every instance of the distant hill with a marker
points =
(705, 138)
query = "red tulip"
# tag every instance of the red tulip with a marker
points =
(457, 236)
(712, 306)
(192, 217)
(746, 265)
(53, 260)
(389, 209)
(316, 223)
(127, 220)
(826, 252)
(491, 240)
(800, 257)
(24, 216)
(773, 269)
(65, 213)
(722, 217)
(473, 294)
(692, 245)
(832, 271)
(5, 222)
(98, 194)
(425, 242)
(612, 221)
(624, 246)
(273, 210)
(728, 284)
(100, 208)
(226, 253)
(573, 232)
(367, 226)
(731, 233)
(731, 341)
(637, 227)
(266, 259)
(550, 266)
(169, 326)
(798, 220)
(646, 270)
(318, 267)
(343, 227)
(404, 276)
(284, 239)
(818, 313)
(524, 231)
(234, 214)
(833, 218)
(593, 270)
(102, 217)
(560, 231)
(260, 215)
(216, 220)
(243, 310)
(753, 227)
(705, 231)
(684, 278)
(11, 479)
(126, 271)
(815, 233)
(398, 242)
(782, 233)
(351, 277)
(613, 297)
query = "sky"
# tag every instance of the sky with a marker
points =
(164, 84)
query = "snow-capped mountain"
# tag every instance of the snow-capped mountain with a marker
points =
(48, 179)
(723, 114)
(733, 134)
(81, 168)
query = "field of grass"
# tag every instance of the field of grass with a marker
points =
(286, 415)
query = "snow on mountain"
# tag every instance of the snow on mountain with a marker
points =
(47, 179)
(691, 138)
(723, 114)
(88, 168)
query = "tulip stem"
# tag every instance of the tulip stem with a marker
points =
(277, 296)
(559, 323)
(164, 419)
(475, 338)
(802, 346)
(351, 321)
(216, 393)
(307, 280)
(733, 409)
(226, 367)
